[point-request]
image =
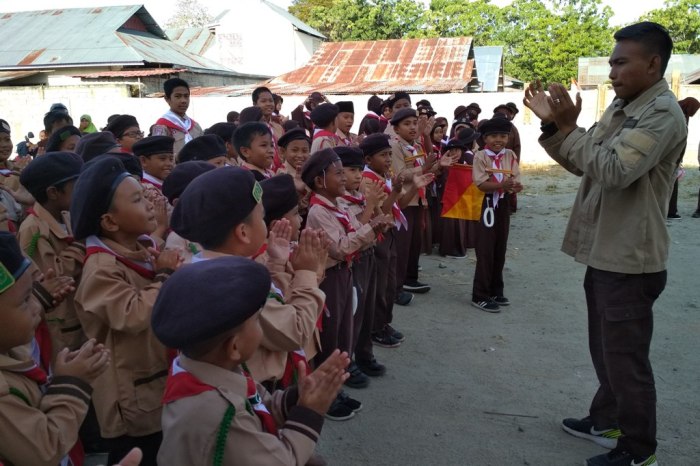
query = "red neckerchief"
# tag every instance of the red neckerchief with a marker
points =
(496, 163)
(182, 384)
(152, 180)
(95, 246)
(342, 216)
(357, 200)
(43, 340)
(418, 161)
(325, 133)
(163, 121)
(399, 217)
(260, 252)
(268, 422)
(345, 139)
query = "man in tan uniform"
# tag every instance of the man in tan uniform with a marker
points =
(618, 229)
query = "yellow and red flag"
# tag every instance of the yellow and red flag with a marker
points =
(462, 198)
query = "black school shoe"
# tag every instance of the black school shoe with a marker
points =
(372, 368)
(404, 298)
(415, 286)
(501, 300)
(385, 339)
(619, 457)
(398, 336)
(339, 411)
(357, 379)
(487, 305)
(351, 403)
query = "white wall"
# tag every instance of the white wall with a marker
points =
(24, 109)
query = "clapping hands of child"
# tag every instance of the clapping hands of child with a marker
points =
(421, 181)
(311, 251)
(168, 259)
(58, 286)
(318, 389)
(278, 239)
(86, 363)
(374, 194)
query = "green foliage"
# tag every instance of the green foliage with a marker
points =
(682, 19)
(541, 38)
(189, 13)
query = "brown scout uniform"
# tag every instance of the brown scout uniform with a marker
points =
(114, 304)
(51, 246)
(192, 425)
(179, 136)
(323, 142)
(36, 428)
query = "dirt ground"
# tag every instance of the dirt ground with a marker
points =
(473, 388)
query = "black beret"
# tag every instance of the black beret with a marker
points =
(4, 126)
(55, 140)
(290, 124)
(324, 115)
(460, 111)
(345, 106)
(214, 203)
(461, 121)
(374, 143)
(293, 135)
(153, 145)
(316, 97)
(181, 176)
(249, 114)
(474, 106)
(464, 139)
(204, 147)
(208, 298)
(93, 193)
(496, 125)
(316, 164)
(374, 104)
(499, 107)
(512, 107)
(223, 130)
(402, 114)
(279, 196)
(94, 144)
(392, 99)
(12, 262)
(120, 124)
(49, 170)
(350, 156)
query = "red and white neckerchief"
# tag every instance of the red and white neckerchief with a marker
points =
(356, 200)
(418, 161)
(177, 123)
(250, 167)
(268, 422)
(93, 245)
(496, 163)
(342, 216)
(322, 133)
(152, 180)
(399, 217)
(5, 172)
(36, 370)
(344, 138)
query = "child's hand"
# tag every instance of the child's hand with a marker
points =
(374, 193)
(57, 286)
(87, 363)
(447, 161)
(397, 183)
(160, 206)
(278, 239)
(318, 389)
(421, 181)
(507, 184)
(517, 187)
(429, 163)
(308, 253)
(133, 458)
(167, 259)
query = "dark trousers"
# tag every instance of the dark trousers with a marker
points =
(408, 246)
(673, 202)
(491, 251)
(620, 326)
(364, 274)
(337, 327)
(149, 445)
(385, 255)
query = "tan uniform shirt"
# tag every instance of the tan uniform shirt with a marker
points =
(179, 136)
(191, 426)
(51, 246)
(627, 163)
(402, 161)
(342, 244)
(349, 139)
(323, 142)
(114, 305)
(38, 429)
(483, 162)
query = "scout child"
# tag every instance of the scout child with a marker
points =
(126, 131)
(344, 122)
(225, 131)
(264, 100)
(157, 160)
(491, 240)
(39, 415)
(223, 211)
(173, 187)
(114, 300)
(303, 117)
(324, 136)
(253, 142)
(409, 159)
(214, 411)
(323, 173)
(209, 148)
(295, 147)
(9, 181)
(45, 237)
(363, 207)
(64, 139)
(175, 122)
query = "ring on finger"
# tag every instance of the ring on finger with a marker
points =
(557, 101)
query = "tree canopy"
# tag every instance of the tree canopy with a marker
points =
(541, 38)
(189, 13)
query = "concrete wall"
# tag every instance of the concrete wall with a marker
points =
(24, 109)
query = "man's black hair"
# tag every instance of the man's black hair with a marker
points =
(170, 85)
(258, 91)
(654, 37)
(244, 134)
(232, 116)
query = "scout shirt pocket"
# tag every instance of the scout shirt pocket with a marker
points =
(145, 395)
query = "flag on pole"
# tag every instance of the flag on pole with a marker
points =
(462, 198)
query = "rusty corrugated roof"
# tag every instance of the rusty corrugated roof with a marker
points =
(196, 40)
(385, 66)
(130, 73)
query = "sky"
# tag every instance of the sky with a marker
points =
(161, 10)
